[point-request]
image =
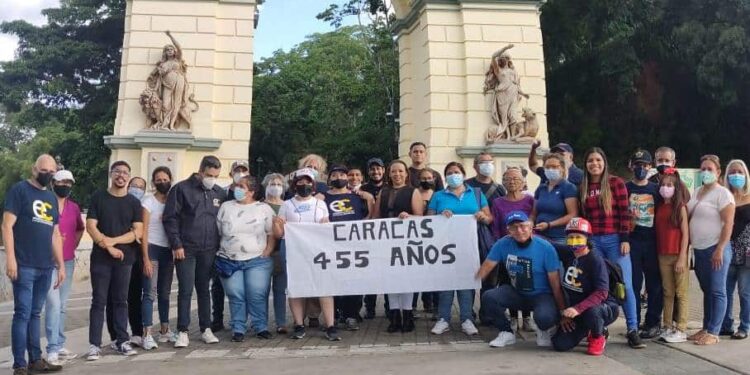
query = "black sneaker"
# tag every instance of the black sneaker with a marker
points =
(265, 335)
(313, 322)
(299, 332)
(650, 333)
(332, 334)
(42, 366)
(238, 337)
(634, 340)
(726, 332)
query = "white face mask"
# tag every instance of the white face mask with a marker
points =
(486, 169)
(274, 191)
(209, 182)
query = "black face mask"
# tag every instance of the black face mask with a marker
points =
(163, 187)
(44, 178)
(661, 168)
(303, 191)
(427, 185)
(62, 191)
(339, 184)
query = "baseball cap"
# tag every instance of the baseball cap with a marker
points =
(63, 175)
(240, 163)
(516, 216)
(305, 172)
(579, 225)
(562, 147)
(338, 168)
(641, 156)
(376, 161)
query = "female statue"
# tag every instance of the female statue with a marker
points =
(502, 80)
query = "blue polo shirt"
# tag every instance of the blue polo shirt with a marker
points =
(550, 206)
(466, 204)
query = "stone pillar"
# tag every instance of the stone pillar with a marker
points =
(216, 37)
(445, 49)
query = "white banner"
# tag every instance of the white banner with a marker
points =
(419, 254)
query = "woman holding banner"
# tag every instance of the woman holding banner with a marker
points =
(399, 199)
(459, 199)
(304, 207)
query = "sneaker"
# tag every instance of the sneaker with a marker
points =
(468, 327)
(209, 337)
(136, 341)
(504, 338)
(66, 354)
(352, 324)
(299, 332)
(265, 335)
(20, 371)
(313, 322)
(182, 340)
(149, 343)
(596, 345)
(650, 333)
(41, 365)
(634, 340)
(544, 337)
(113, 345)
(528, 325)
(441, 327)
(54, 359)
(677, 336)
(94, 353)
(666, 333)
(238, 337)
(217, 327)
(281, 331)
(166, 337)
(126, 350)
(332, 334)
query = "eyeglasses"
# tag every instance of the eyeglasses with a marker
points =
(512, 179)
(120, 172)
(518, 227)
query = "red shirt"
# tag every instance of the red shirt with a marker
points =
(618, 221)
(668, 236)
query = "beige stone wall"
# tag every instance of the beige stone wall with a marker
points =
(217, 41)
(444, 54)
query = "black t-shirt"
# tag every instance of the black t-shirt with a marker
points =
(115, 216)
(345, 207)
(582, 276)
(642, 201)
(414, 178)
(499, 191)
(371, 188)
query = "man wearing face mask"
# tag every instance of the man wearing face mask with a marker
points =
(664, 158)
(375, 171)
(484, 165)
(190, 223)
(643, 196)
(240, 168)
(575, 174)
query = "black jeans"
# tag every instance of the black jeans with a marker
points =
(134, 303)
(109, 278)
(194, 272)
(217, 298)
(593, 320)
(348, 305)
(645, 263)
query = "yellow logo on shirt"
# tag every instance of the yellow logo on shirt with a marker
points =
(40, 209)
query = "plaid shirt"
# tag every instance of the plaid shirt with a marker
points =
(618, 222)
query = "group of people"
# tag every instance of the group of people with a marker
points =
(569, 254)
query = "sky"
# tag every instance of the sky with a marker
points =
(283, 23)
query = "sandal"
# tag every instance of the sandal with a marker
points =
(707, 339)
(739, 335)
(697, 335)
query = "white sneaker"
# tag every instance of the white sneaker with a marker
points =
(149, 343)
(66, 354)
(666, 333)
(113, 345)
(441, 327)
(167, 337)
(468, 327)
(54, 359)
(94, 353)
(503, 338)
(544, 337)
(182, 340)
(208, 337)
(126, 350)
(136, 341)
(677, 336)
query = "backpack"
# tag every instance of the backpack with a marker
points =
(616, 281)
(484, 233)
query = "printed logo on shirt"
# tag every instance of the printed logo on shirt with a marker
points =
(642, 207)
(302, 208)
(570, 281)
(41, 214)
(519, 270)
(594, 192)
(341, 207)
(216, 202)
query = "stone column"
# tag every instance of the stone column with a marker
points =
(216, 37)
(445, 49)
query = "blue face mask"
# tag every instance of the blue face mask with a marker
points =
(708, 177)
(737, 180)
(138, 193)
(239, 193)
(455, 180)
(553, 175)
(640, 173)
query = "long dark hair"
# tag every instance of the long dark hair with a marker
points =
(679, 200)
(605, 195)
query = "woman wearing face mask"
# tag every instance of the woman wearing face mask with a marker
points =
(275, 186)
(426, 186)
(711, 212)
(71, 228)
(399, 199)
(158, 262)
(459, 199)
(137, 187)
(738, 275)
(604, 199)
(243, 261)
(556, 200)
(304, 207)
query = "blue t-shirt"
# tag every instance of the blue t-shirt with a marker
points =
(550, 206)
(36, 216)
(466, 204)
(527, 267)
(345, 207)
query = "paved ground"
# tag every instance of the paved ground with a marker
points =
(373, 351)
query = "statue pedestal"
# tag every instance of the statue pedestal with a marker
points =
(216, 37)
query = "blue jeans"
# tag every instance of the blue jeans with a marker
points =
(496, 301)
(645, 263)
(608, 246)
(714, 286)
(279, 282)
(29, 294)
(159, 285)
(54, 310)
(247, 290)
(465, 303)
(592, 321)
(739, 276)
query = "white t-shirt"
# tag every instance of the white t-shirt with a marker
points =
(705, 217)
(156, 234)
(310, 210)
(244, 229)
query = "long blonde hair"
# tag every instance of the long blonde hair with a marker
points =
(746, 188)
(605, 195)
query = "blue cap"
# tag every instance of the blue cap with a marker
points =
(516, 216)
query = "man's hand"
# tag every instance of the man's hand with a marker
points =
(11, 269)
(116, 253)
(536, 144)
(567, 324)
(107, 242)
(179, 254)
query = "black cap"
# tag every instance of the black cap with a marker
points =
(338, 168)
(562, 147)
(376, 161)
(641, 156)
